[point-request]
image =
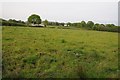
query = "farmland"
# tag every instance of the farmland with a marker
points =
(30, 52)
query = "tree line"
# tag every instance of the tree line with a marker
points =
(89, 25)
(35, 19)
(12, 22)
(95, 26)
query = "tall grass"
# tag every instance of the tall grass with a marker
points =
(59, 53)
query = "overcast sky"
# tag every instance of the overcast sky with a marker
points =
(99, 12)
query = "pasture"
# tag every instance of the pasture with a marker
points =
(30, 52)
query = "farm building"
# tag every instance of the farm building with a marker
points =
(37, 25)
(65, 24)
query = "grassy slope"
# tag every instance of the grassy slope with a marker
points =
(46, 52)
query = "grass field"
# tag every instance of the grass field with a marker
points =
(59, 53)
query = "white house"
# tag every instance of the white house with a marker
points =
(65, 24)
(38, 25)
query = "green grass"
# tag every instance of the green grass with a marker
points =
(30, 52)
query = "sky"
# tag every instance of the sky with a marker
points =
(62, 10)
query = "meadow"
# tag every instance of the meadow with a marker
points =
(29, 52)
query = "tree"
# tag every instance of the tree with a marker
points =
(45, 22)
(34, 19)
(90, 24)
(96, 26)
(112, 28)
(83, 24)
(62, 24)
(110, 25)
(102, 27)
(79, 25)
(56, 23)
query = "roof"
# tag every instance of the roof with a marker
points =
(37, 25)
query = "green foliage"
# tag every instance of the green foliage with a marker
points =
(96, 26)
(90, 24)
(45, 22)
(12, 22)
(35, 19)
(83, 23)
(108, 27)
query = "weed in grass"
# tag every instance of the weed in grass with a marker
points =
(10, 39)
(96, 55)
(53, 60)
(52, 50)
(63, 41)
(31, 59)
(80, 72)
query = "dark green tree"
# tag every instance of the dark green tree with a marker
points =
(62, 24)
(45, 22)
(79, 25)
(90, 24)
(34, 19)
(96, 26)
(110, 25)
(83, 24)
